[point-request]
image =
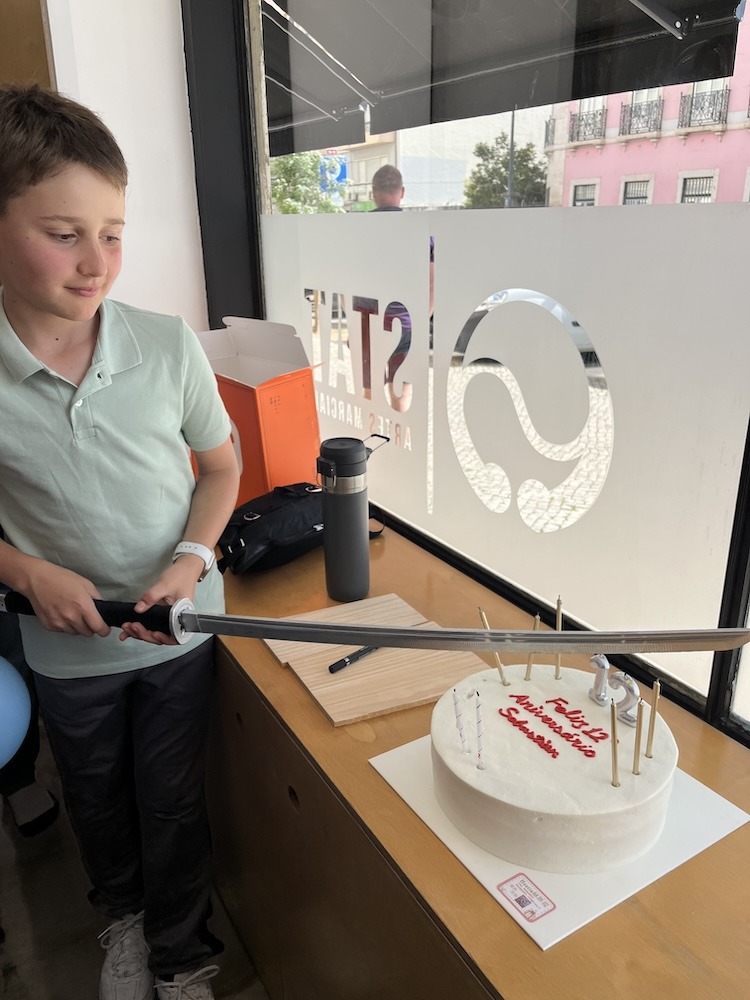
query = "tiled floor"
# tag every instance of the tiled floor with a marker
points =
(51, 950)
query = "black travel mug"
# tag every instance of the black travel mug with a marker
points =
(342, 473)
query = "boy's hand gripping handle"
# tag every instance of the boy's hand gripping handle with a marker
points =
(115, 613)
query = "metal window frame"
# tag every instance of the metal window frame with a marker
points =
(584, 202)
(697, 196)
(639, 199)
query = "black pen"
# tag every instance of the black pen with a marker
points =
(351, 658)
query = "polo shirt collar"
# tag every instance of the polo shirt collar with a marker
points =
(116, 347)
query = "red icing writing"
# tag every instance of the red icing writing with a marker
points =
(577, 722)
(511, 714)
(577, 719)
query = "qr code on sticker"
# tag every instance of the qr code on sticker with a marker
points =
(523, 901)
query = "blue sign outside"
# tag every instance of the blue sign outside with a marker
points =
(333, 170)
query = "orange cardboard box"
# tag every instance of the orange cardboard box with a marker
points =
(266, 382)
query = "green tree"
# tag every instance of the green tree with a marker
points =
(488, 187)
(296, 185)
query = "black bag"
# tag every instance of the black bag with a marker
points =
(273, 529)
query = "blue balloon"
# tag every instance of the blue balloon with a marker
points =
(15, 711)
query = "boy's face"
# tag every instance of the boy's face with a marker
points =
(60, 249)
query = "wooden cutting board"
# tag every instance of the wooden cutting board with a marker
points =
(381, 682)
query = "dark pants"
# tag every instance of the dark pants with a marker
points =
(19, 771)
(130, 749)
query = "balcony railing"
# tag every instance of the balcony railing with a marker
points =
(645, 116)
(704, 109)
(587, 125)
(549, 132)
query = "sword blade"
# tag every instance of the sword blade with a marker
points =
(473, 640)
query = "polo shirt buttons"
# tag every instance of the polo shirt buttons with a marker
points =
(78, 403)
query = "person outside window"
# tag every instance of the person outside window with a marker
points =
(387, 193)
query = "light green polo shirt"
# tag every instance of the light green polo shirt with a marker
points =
(97, 478)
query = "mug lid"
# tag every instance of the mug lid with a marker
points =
(347, 455)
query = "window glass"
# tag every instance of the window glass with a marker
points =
(643, 96)
(741, 697)
(697, 189)
(635, 193)
(548, 396)
(584, 195)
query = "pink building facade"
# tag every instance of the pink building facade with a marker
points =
(683, 143)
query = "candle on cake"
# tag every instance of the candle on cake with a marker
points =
(480, 734)
(460, 722)
(530, 660)
(638, 732)
(498, 661)
(652, 719)
(613, 740)
(558, 626)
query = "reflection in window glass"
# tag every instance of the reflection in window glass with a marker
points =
(537, 156)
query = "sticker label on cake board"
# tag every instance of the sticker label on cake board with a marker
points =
(526, 896)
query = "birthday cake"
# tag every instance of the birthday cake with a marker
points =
(537, 787)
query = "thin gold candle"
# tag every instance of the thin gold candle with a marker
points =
(613, 737)
(498, 661)
(530, 660)
(558, 626)
(652, 719)
(638, 733)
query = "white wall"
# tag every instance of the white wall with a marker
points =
(125, 60)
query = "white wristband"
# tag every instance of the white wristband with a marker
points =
(195, 549)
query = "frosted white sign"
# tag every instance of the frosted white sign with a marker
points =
(574, 415)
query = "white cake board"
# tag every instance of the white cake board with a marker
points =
(548, 906)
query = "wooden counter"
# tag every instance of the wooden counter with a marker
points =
(340, 892)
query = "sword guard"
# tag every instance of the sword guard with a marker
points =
(176, 628)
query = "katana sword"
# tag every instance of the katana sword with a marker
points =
(182, 620)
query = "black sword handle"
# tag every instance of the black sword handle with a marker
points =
(114, 613)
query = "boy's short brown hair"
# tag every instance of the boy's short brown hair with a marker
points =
(42, 132)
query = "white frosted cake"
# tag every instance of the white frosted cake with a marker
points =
(543, 797)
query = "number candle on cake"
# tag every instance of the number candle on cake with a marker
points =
(545, 794)
(598, 692)
(632, 695)
(558, 626)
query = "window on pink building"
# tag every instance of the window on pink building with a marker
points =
(635, 193)
(697, 189)
(584, 195)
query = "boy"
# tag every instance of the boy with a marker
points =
(97, 499)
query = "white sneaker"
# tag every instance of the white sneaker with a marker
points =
(188, 985)
(125, 973)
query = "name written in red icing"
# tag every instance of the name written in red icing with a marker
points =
(574, 717)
